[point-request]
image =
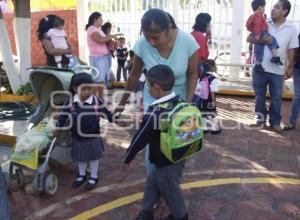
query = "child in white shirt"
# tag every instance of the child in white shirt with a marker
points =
(58, 39)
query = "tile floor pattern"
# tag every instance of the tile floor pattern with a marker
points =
(237, 152)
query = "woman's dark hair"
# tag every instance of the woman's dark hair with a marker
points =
(79, 79)
(94, 16)
(45, 24)
(172, 21)
(201, 22)
(105, 27)
(58, 22)
(155, 20)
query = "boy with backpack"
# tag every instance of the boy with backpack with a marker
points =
(205, 96)
(167, 152)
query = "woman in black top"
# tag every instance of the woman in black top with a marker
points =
(44, 25)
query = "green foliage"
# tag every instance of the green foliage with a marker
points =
(25, 90)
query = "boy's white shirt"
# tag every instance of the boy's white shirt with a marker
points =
(164, 98)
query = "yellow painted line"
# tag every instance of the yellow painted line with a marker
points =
(109, 206)
(235, 92)
(198, 184)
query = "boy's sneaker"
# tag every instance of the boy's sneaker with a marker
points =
(259, 68)
(276, 60)
(145, 215)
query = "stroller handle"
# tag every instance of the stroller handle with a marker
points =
(88, 69)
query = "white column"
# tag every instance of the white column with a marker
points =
(82, 19)
(236, 36)
(22, 32)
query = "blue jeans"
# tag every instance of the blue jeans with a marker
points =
(4, 214)
(296, 100)
(102, 64)
(259, 48)
(261, 81)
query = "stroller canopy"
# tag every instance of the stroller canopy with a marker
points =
(45, 80)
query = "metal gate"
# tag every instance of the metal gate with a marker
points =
(125, 15)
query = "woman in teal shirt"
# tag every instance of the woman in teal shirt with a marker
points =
(163, 44)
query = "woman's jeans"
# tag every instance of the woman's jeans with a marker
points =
(102, 65)
(296, 100)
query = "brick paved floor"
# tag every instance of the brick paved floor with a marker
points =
(236, 153)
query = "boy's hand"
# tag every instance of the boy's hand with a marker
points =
(125, 167)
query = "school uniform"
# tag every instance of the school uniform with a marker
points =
(87, 144)
(164, 178)
(206, 105)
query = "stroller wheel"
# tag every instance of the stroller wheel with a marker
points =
(20, 178)
(7, 180)
(37, 184)
(50, 184)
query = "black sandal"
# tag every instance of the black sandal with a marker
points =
(289, 127)
(89, 185)
(79, 181)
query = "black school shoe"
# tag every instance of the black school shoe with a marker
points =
(276, 60)
(259, 68)
(170, 217)
(89, 185)
(79, 181)
(145, 215)
(216, 132)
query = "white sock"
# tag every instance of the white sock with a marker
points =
(204, 124)
(213, 123)
(94, 169)
(82, 167)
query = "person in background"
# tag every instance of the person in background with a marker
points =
(201, 32)
(122, 54)
(208, 104)
(296, 100)
(96, 40)
(273, 77)
(111, 45)
(258, 27)
(58, 38)
(44, 26)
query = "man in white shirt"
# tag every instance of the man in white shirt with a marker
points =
(273, 77)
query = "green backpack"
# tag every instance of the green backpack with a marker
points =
(181, 132)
